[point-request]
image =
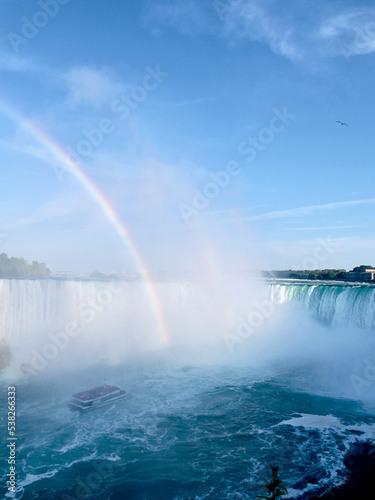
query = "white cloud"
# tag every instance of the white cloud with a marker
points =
(236, 214)
(84, 85)
(255, 21)
(350, 33)
(24, 143)
(347, 22)
(88, 86)
(236, 20)
(319, 228)
(293, 30)
(10, 62)
(59, 207)
(309, 210)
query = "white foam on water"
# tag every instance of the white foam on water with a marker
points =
(30, 479)
(329, 428)
(313, 421)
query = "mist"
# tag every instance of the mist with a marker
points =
(61, 325)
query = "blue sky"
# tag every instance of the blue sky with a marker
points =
(210, 126)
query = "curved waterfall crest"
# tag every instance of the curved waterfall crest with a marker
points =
(334, 304)
(50, 316)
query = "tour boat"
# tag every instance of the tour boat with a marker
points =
(93, 398)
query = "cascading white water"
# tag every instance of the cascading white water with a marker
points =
(77, 321)
(27, 306)
(102, 319)
(333, 304)
(44, 319)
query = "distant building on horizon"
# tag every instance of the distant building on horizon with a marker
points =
(365, 275)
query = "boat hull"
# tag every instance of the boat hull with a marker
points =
(85, 406)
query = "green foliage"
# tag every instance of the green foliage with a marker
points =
(315, 274)
(361, 269)
(274, 487)
(11, 267)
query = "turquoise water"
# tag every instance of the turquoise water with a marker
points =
(198, 422)
(183, 432)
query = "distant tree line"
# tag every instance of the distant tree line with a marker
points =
(361, 269)
(12, 267)
(316, 274)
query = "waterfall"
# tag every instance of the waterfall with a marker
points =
(333, 304)
(44, 317)
(78, 320)
(41, 317)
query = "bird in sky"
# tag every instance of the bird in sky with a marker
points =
(342, 123)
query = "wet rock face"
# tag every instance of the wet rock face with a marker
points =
(360, 462)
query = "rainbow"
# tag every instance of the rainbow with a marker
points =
(62, 157)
